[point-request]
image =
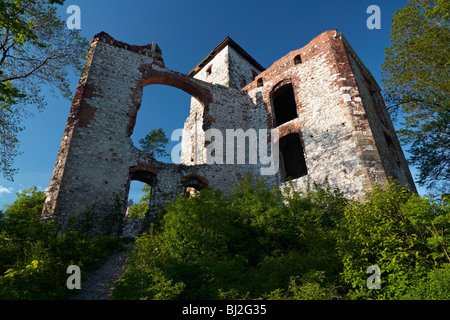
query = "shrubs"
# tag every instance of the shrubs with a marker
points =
(34, 259)
(256, 244)
(405, 235)
(252, 245)
(318, 245)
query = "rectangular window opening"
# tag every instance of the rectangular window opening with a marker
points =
(293, 157)
(284, 104)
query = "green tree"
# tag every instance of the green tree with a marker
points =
(155, 143)
(416, 82)
(36, 50)
(435, 286)
(262, 244)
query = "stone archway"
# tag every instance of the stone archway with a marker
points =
(193, 184)
(92, 171)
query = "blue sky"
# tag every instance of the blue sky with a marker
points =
(187, 31)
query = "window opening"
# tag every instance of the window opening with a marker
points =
(284, 104)
(193, 187)
(209, 71)
(259, 82)
(254, 75)
(164, 107)
(293, 156)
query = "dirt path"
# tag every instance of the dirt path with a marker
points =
(100, 283)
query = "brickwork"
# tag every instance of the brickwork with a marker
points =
(347, 139)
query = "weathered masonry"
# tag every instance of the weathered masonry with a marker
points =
(333, 127)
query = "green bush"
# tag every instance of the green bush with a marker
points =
(435, 286)
(256, 244)
(34, 259)
(247, 246)
(259, 244)
(405, 235)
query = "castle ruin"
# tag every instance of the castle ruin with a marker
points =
(333, 127)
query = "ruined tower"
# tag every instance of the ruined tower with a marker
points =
(333, 127)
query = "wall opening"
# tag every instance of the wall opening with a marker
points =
(259, 82)
(297, 59)
(193, 185)
(164, 107)
(139, 194)
(191, 192)
(254, 75)
(209, 71)
(292, 157)
(284, 105)
(137, 198)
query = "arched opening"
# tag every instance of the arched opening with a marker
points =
(292, 157)
(162, 107)
(284, 105)
(164, 101)
(193, 185)
(165, 104)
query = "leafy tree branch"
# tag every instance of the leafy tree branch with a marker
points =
(37, 51)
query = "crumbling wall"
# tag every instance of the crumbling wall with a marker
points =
(97, 159)
(346, 136)
(333, 116)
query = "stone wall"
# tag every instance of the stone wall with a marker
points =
(216, 71)
(334, 110)
(97, 159)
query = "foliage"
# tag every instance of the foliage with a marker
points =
(309, 289)
(435, 286)
(34, 259)
(405, 235)
(263, 244)
(258, 243)
(155, 143)
(36, 50)
(252, 245)
(416, 80)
